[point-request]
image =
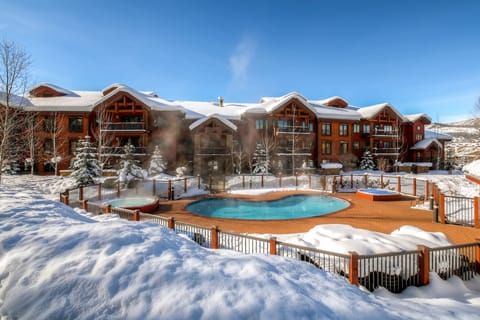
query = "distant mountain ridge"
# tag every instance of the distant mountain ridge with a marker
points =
(465, 144)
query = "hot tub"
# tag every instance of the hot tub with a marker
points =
(378, 195)
(144, 204)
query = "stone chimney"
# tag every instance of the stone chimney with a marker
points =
(220, 101)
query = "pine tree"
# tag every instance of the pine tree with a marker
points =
(157, 164)
(85, 166)
(129, 167)
(261, 162)
(367, 162)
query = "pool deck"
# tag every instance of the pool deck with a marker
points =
(381, 216)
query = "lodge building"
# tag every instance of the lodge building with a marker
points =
(220, 137)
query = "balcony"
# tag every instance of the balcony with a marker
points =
(217, 151)
(119, 151)
(385, 133)
(298, 151)
(292, 130)
(124, 126)
(385, 151)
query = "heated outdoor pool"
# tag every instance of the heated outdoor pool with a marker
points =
(290, 207)
(144, 204)
(378, 194)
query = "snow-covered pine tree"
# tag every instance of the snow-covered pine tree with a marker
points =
(157, 164)
(261, 162)
(85, 166)
(367, 163)
(129, 168)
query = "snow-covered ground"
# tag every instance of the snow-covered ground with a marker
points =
(57, 263)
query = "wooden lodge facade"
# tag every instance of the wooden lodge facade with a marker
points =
(221, 138)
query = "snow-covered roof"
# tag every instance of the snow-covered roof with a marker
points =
(226, 122)
(82, 101)
(437, 135)
(331, 165)
(332, 99)
(425, 144)
(273, 104)
(15, 100)
(154, 103)
(417, 116)
(371, 111)
(198, 109)
(325, 112)
(53, 87)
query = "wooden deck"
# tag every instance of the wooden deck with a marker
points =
(382, 216)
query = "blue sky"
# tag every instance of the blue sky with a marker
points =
(421, 56)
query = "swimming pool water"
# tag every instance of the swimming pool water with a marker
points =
(377, 191)
(291, 207)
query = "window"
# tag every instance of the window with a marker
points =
(48, 145)
(343, 147)
(419, 128)
(366, 129)
(75, 124)
(356, 145)
(356, 128)
(326, 129)
(418, 137)
(261, 124)
(343, 129)
(388, 128)
(72, 146)
(283, 123)
(326, 147)
(48, 123)
(310, 125)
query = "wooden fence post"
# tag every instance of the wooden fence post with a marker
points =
(198, 181)
(262, 182)
(399, 184)
(280, 181)
(214, 237)
(80, 193)
(382, 184)
(185, 185)
(296, 180)
(309, 181)
(476, 223)
(324, 182)
(423, 264)
(224, 183)
(171, 223)
(365, 181)
(154, 187)
(136, 215)
(85, 205)
(243, 182)
(334, 184)
(169, 190)
(414, 187)
(441, 206)
(477, 262)
(353, 268)
(210, 182)
(99, 196)
(427, 189)
(118, 189)
(273, 246)
(108, 208)
(351, 181)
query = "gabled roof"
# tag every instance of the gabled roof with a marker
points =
(425, 144)
(333, 101)
(273, 104)
(81, 101)
(151, 102)
(371, 111)
(437, 135)
(418, 116)
(226, 122)
(53, 87)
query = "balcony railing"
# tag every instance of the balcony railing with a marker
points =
(118, 151)
(214, 151)
(297, 150)
(385, 133)
(292, 130)
(385, 151)
(124, 126)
